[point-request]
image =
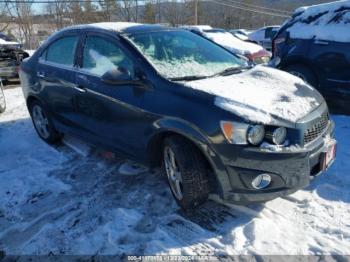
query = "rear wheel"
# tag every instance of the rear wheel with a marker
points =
(187, 172)
(304, 73)
(2, 101)
(43, 123)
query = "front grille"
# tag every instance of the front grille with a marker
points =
(317, 128)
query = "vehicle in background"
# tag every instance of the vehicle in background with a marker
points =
(315, 45)
(11, 55)
(241, 34)
(168, 97)
(264, 36)
(253, 52)
(2, 98)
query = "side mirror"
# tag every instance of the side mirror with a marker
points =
(118, 75)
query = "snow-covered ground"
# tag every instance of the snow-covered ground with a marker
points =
(59, 201)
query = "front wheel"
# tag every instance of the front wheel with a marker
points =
(43, 123)
(187, 172)
(2, 101)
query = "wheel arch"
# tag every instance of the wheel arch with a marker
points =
(301, 62)
(31, 99)
(154, 151)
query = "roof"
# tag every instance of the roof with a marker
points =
(198, 28)
(120, 27)
(328, 21)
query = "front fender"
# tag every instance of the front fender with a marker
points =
(173, 126)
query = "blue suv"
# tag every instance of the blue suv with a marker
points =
(315, 45)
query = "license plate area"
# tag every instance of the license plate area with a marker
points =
(328, 155)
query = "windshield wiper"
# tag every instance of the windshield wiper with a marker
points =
(232, 70)
(187, 78)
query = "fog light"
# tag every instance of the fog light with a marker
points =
(261, 181)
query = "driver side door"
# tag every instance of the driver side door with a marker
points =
(110, 113)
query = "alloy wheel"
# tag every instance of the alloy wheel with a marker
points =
(173, 173)
(41, 121)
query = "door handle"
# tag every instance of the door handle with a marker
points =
(80, 88)
(320, 42)
(40, 74)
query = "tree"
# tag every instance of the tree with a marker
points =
(177, 13)
(75, 11)
(149, 15)
(22, 14)
(108, 9)
(129, 10)
(58, 11)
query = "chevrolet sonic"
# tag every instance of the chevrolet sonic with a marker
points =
(167, 97)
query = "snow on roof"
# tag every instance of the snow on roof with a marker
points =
(116, 26)
(328, 21)
(198, 28)
(226, 40)
(261, 94)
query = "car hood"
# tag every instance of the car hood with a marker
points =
(262, 95)
(233, 44)
(5, 43)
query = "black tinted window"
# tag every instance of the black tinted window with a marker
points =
(62, 51)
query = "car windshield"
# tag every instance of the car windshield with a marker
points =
(182, 54)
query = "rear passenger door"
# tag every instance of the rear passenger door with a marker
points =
(56, 74)
(110, 112)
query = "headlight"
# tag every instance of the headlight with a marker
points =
(235, 133)
(256, 134)
(261, 60)
(278, 136)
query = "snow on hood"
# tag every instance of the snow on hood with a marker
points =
(4, 42)
(226, 40)
(232, 43)
(328, 21)
(261, 95)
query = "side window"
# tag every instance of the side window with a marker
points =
(101, 55)
(268, 33)
(62, 51)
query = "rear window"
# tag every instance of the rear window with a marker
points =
(62, 51)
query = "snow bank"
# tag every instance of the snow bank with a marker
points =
(260, 94)
(24, 159)
(325, 22)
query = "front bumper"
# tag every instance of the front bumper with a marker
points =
(290, 169)
(8, 69)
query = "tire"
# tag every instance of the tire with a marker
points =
(42, 122)
(192, 168)
(304, 73)
(2, 101)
